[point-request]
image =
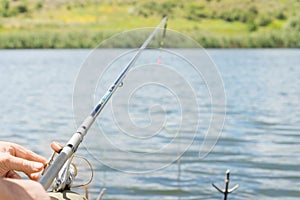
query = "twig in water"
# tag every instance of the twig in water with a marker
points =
(226, 191)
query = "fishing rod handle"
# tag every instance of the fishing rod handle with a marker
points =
(66, 153)
(69, 149)
(47, 179)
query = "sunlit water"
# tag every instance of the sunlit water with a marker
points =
(259, 143)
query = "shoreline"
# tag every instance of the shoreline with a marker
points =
(90, 39)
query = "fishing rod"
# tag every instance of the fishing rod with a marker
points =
(61, 161)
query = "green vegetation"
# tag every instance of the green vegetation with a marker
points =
(213, 23)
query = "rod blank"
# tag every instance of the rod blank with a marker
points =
(71, 147)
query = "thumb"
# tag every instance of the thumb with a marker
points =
(26, 166)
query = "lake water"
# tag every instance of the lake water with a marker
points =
(259, 142)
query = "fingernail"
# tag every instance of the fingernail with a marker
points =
(38, 165)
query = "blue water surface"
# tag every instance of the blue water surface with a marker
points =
(259, 143)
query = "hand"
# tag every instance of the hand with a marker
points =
(15, 157)
(13, 189)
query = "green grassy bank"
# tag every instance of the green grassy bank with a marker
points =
(212, 23)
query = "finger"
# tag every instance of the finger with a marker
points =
(34, 176)
(57, 147)
(13, 174)
(26, 166)
(22, 152)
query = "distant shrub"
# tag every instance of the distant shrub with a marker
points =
(22, 8)
(280, 15)
(251, 26)
(293, 24)
(52, 39)
(238, 14)
(267, 40)
(264, 20)
(167, 7)
(5, 4)
(253, 10)
(8, 10)
(39, 5)
(197, 12)
(4, 8)
(150, 8)
(292, 39)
